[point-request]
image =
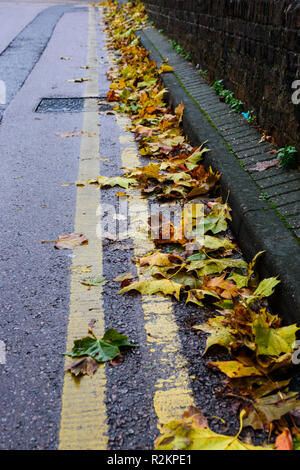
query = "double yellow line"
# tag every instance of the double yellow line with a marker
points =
(83, 415)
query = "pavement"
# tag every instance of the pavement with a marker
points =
(43, 305)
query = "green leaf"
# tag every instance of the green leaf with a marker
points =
(241, 281)
(264, 289)
(102, 350)
(193, 433)
(273, 341)
(214, 265)
(215, 243)
(219, 333)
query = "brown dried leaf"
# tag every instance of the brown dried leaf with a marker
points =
(83, 366)
(262, 166)
(70, 241)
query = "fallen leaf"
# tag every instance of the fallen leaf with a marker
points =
(163, 286)
(102, 350)
(70, 241)
(235, 369)
(219, 333)
(165, 68)
(79, 80)
(193, 433)
(273, 341)
(262, 166)
(94, 281)
(271, 408)
(83, 366)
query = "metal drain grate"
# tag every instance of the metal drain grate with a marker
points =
(72, 105)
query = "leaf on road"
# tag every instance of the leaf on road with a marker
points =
(94, 281)
(264, 289)
(196, 295)
(215, 243)
(163, 286)
(219, 333)
(70, 241)
(102, 350)
(160, 259)
(79, 80)
(193, 433)
(273, 341)
(235, 369)
(83, 366)
(105, 181)
(270, 408)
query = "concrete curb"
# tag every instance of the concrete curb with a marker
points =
(255, 223)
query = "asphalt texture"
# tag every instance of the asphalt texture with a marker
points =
(35, 278)
(34, 206)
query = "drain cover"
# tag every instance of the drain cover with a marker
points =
(72, 105)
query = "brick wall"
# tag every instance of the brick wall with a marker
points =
(254, 45)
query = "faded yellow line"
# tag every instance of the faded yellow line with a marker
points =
(173, 394)
(83, 416)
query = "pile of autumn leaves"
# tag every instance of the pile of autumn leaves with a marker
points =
(260, 348)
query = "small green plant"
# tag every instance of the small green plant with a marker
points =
(236, 105)
(179, 49)
(251, 116)
(287, 155)
(218, 86)
(203, 73)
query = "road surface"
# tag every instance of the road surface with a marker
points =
(44, 307)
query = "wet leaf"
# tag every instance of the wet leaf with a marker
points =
(70, 241)
(163, 286)
(219, 332)
(105, 181)
(235, 369)
(273, 341)
(264, 289)
(94, 281)
(83, 366)
(102, 350)
(271, 408)
(193, 433)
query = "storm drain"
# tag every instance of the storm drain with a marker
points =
(72, 105)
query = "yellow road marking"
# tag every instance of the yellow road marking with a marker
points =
(173, 393)
(83, 416)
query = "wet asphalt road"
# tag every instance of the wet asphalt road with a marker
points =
(35, 278)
